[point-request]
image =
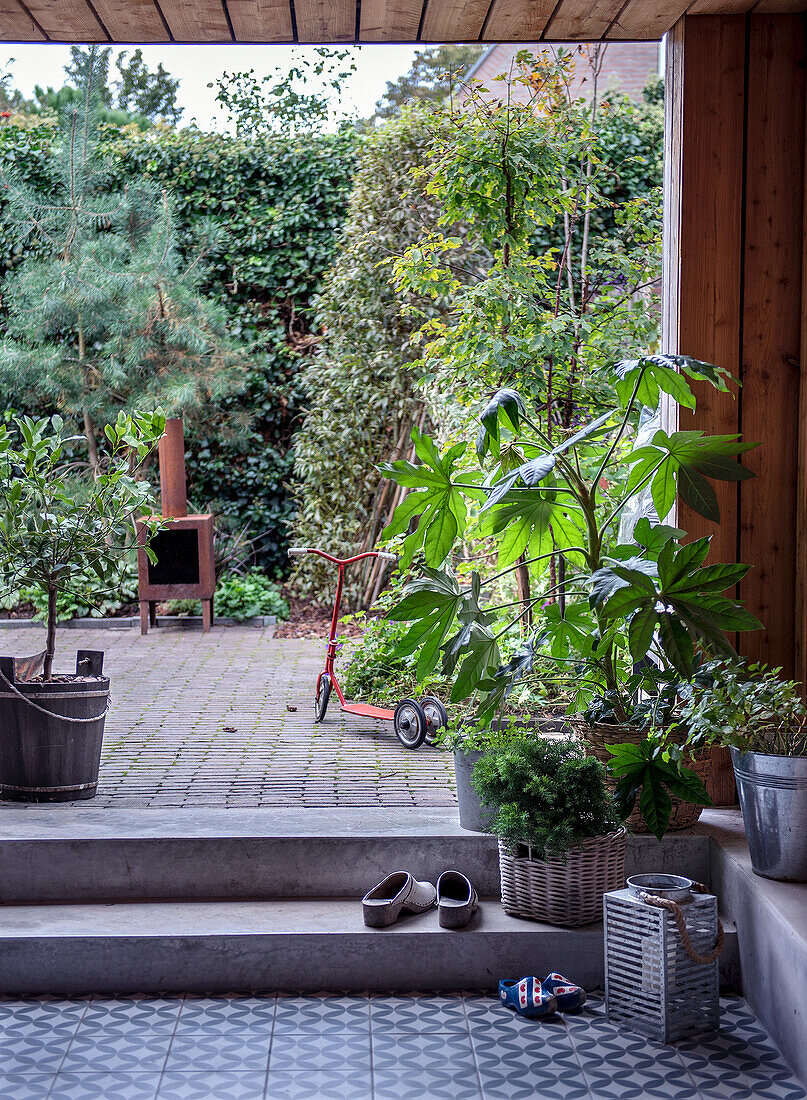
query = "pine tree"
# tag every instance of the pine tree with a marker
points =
(105, 314)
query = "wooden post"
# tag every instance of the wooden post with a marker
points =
(736, 111)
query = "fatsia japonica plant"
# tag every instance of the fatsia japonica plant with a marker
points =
(626, 620)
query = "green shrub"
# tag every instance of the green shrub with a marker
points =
(248, 596)
(374, 674)
(547, 792)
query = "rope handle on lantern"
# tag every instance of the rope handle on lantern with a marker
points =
(50, 713)
(675, 909)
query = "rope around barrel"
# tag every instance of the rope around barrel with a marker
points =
(50, 713)
(675, 909)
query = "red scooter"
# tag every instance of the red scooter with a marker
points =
(414, 720)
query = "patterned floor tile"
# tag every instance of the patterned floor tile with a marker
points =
(25, 1086)
(325, 1050)
(324, 1013)
(533, 1055)
(153, 1013)
(421, 1014)
(405, 1050)
(436, 1084)
(638, 1085)
(212, 1086)
(113, 1052)
(105, 1086)
(42, 1009)
(516, 1083)
(32, 1053)
(223, 1010)
(228, 1051)
(330, 1085)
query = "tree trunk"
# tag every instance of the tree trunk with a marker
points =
(50, 644)
(523, 590)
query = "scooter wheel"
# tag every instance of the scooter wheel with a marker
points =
(436, 716)
(323, 695)
(410, 723)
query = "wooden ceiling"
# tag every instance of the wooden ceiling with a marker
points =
(332, 21)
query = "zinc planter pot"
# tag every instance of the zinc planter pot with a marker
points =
(474, 814)
(567, 893)
(50, 738)
(773, 797)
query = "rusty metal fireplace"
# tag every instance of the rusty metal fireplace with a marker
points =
(184, 569)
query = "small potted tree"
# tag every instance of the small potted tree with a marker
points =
(561, 843)
(61, 531)
(763, 720)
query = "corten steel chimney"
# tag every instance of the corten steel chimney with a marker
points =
(173, 487)
(184, 569)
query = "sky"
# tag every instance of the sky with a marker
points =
(197, 66)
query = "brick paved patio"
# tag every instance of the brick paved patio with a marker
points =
(204, 720)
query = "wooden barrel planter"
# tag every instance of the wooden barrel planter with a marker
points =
(597, 735)
(51, 735)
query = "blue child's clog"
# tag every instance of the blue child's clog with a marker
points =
(527, 997)
(569, 997)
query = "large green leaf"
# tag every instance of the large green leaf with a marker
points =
(431, 603)
(657, 374)
(681, 462)
(506, 405)
(435, 499)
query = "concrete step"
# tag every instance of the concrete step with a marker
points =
(290, 944)
(64, 853)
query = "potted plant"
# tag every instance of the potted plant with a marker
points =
(60, 531)
(763, 720)
(625, 612)
(561, 843)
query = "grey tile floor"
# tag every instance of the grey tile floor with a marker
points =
(356, 1047)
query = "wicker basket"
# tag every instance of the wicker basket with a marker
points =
(568, 894)
(597, 735)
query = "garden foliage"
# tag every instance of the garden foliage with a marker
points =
(360, 386)
(279, 203)
(103, 314)
(547, 794)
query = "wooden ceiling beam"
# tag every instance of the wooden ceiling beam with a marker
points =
(16, 25)
(261, 20)
(196, 20)
(582, 20)
(325, 20)
(132, 21)
(646, 19)
(390, 20)
(67, 20)
(517, 20)
(720, 7)
(454, 20)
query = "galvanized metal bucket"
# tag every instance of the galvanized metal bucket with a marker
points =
(773, 797)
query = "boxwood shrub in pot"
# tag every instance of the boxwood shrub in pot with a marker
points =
(762, 718)
(57, 528)
(561, 842)
(626, 616)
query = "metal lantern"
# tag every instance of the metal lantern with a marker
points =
(662, 941)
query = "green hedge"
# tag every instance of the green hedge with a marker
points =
(282, 201)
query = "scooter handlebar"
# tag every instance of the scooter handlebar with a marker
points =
(296, 551)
